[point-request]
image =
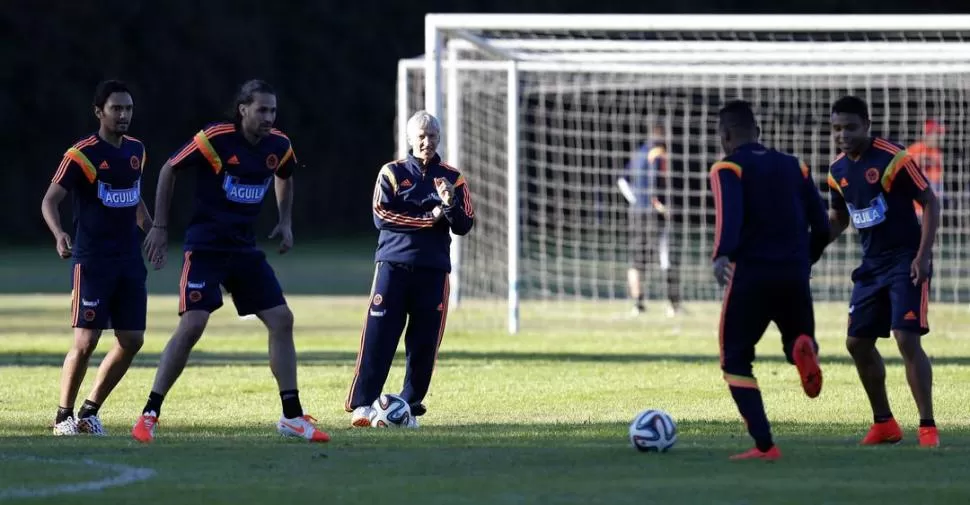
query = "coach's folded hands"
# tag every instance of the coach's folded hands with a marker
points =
(446, 190)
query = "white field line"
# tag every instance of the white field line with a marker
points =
(124, 475)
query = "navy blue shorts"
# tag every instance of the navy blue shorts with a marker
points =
(752, 301)
(888, 301)
(246, 275)
(109, 294)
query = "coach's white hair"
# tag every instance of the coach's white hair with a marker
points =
(422, 120)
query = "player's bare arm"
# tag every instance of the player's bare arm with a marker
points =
(156, 242)
(920, 268)
(284, 202)
(143, 217)
(49, 208)
(821, 228)
(838, 221)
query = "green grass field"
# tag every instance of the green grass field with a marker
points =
(540, 417)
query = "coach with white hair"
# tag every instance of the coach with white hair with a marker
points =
(417, 201)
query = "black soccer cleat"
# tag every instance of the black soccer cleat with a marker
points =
(418, 409)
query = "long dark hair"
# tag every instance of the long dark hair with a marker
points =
(245, 96)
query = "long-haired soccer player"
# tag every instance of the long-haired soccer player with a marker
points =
(235, 164)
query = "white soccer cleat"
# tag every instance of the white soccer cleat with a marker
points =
(66, 428)
(91, 425)
(362, 416)
(412, 422)
(674, 311)
(302, 427)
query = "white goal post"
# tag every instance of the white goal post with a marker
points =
(542, 112)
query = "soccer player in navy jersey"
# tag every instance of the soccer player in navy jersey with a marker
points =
(873, 184)
(418, 200)
(102, 173)
(766, 203)
(235, 164)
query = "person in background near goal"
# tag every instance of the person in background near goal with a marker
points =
(927, 154)
(235, 164)
(765, 201)
(102, 172)
(417, 201)
(873, 185)
(653, 219)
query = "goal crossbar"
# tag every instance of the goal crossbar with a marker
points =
(868, 23)
(691, 46)
(928, 51)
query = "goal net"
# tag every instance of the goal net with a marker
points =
(544, 113)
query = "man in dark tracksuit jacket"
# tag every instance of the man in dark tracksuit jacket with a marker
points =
(766, 203)
(417, 201)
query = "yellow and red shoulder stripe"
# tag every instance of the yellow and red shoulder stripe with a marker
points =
(78, 156)
(726, 165)
(885, 145)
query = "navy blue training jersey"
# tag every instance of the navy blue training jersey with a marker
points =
(648, 174)
(404, 197)
(232, 179)
(105, 186)
(877, 191)
(769, 209)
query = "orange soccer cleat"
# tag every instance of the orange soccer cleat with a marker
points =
(302, 427)
(772, 454)
(887, 432)
(806, 361)
(928, 436)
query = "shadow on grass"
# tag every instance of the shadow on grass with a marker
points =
(511, 463)
(201, 358)
(697, 438)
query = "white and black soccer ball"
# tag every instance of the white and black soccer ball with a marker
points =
(653, 430)
(390, 411)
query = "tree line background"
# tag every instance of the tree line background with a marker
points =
(333, 63)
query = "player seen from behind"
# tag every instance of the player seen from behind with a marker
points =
(766, 201)
(873, 184)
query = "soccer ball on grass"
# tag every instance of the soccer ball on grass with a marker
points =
(653, 430)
